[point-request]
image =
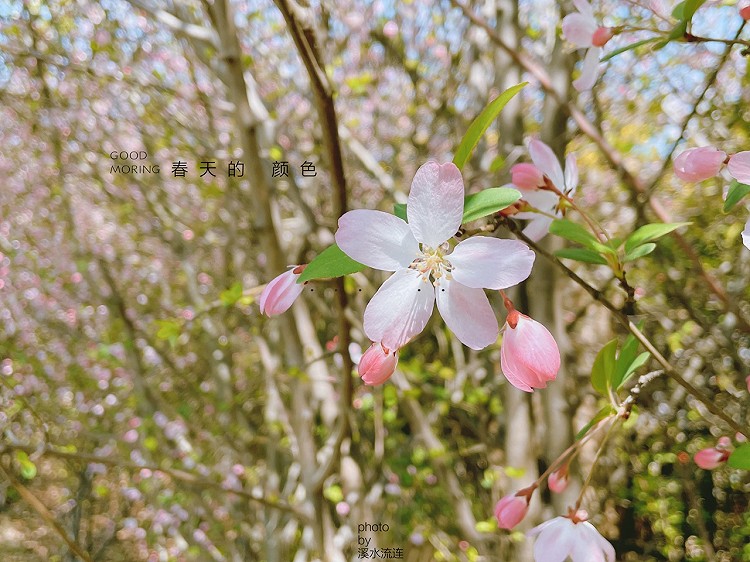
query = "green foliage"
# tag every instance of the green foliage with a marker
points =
(168, 330)
(629, 48)
(740, 457)
(576, 233)
(488, 202)
(582, 255)
(611, 370)
(605, 412)
(231, 295)
(331, 262)
(649, 233)
(481, 123)
(27, 467)
(735, 194)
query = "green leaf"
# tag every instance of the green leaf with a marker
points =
(232, 294)
(604, 368)
(399, 209)
(689, 7)
(629, 48)
(576, 233)
(740, 457)
(331, 262)
(581, 254)
(649, 233)
(637, 363)
(488, 201)
(168, 330)
(28, 468)
(639, 252)
(626, 356)
(678, 10)
(481, 123)
(605, 412)
(735, 194)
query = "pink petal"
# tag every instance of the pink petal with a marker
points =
(376, 239)
(376, 366)
(739, 167)
(510, 511)
(589, 70)
(467, 313)
(746, 237)
(280, 293)
(558, 480)
(555, 542)
(547, 162)
(400, 309)
(542, 200)
(571, 174)
(529, 356)
(436, 203)
(579, 29)
(491, 263)
(698, 164)
(709, 459)
(538, 228)
(526, 176)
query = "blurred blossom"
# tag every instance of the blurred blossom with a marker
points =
(698, 164)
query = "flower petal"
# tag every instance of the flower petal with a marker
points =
(739, 166)
(746, 236)
(538, 228)
(571, 174)
(555, 542)
(547, 162)
(579, 29)
(400, 309)
(491, 263)
(436, 203)
(589, 70)
(467, 313)
(376, 239)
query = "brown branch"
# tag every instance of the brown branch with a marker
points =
(300, 24)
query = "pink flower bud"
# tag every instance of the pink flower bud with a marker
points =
(281, 292)
(377, 364)
(526, 176)
(529, 356)
(511, 510)
(724, 443)
(745, 10)
(710, 458)
(601, 36)
(558, 480)
(698, 164)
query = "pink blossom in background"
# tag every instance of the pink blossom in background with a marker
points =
(583, 30)
(529, 356)
(546, 163)
(571, 536)
(713, 457)
(281, 292)
(739, 166)
(426, 268)
(698, 164)
(377, 364)
(511, 510)
(558, 480)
